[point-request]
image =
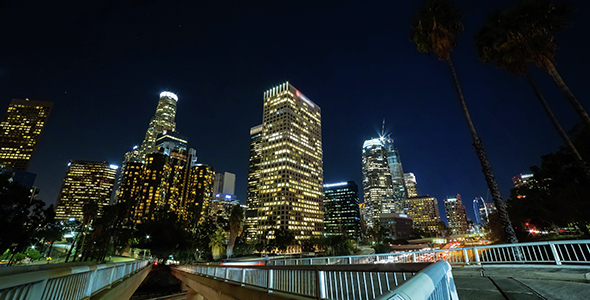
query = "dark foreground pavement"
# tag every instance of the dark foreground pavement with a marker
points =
(514, 282)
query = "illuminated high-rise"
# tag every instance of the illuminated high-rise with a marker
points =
(254, 205)
(411, 185)
(397, 172)
(161, 121)
(456, 216)
(289, 194)
(341, 204)
(86, 183)
(198, 195)
(377, 184)
(424, 213)
(20, 131)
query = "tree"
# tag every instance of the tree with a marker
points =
(442, 228)
(236, 218)
(526, 33)
(20, 215)
(283, 238)
(505, 41)
(434, 29)
(558, 193)
(216, 243)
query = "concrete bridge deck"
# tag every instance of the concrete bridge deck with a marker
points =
(522, 282)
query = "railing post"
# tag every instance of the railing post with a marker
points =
(269, 288)
(321, 284)
(225, 275)
(476, 254)
(350, 260)
(243, 276)
(413, 257)
(555, 254)
(466, 256)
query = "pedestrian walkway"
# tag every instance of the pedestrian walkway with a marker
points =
(526, 283)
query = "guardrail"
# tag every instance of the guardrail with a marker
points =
(315, 282)
(59, 282)
(434, 282)
(554, 252)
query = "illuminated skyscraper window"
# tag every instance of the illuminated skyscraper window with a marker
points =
(20, 131)
(86, 183)
(290, 172)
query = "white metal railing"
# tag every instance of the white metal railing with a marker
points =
(554, 252)
(318, 282)
(59, 282)
(434, 282)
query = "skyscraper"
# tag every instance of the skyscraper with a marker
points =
(411, 185)
(20, 131)
(224, 183)
(161, 121)
(377, 184)
(341, 204)
(456, 217)
(290, 194)
(254, 205)
(424, 213)
(397, 172)
(86, 182)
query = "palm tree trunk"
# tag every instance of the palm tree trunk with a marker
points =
(568, 94)
(485, 164)
(552, 117)
(581, 164)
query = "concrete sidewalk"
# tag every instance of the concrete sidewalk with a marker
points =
(515, 282)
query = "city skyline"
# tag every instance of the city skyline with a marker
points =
(358, 76)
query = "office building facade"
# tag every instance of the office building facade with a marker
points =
(456, 216)
(20, 131)
(397, 173)
(341, 210)
(289, 195)
(85, 183)
(424, 213)
(377, 184)
(411, 185)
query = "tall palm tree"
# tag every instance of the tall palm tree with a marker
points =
(499, 42)
(530, 26)
(434, 29)
(235, 224)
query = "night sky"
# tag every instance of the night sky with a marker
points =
(104, 66)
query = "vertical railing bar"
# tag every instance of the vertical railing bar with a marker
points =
(359, 285)
(346, 284)
(352, 285)
(387, 281)
(582, 251)
(379, 280)
(365, 284)
(341, 287)
(372, 284)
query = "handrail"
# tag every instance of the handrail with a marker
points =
(554, 252)
(436, 280)
(78, 281)
(320, 282)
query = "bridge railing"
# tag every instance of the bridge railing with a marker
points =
(60, 282)
(554, 252)
(434, 282)
(318, 282)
